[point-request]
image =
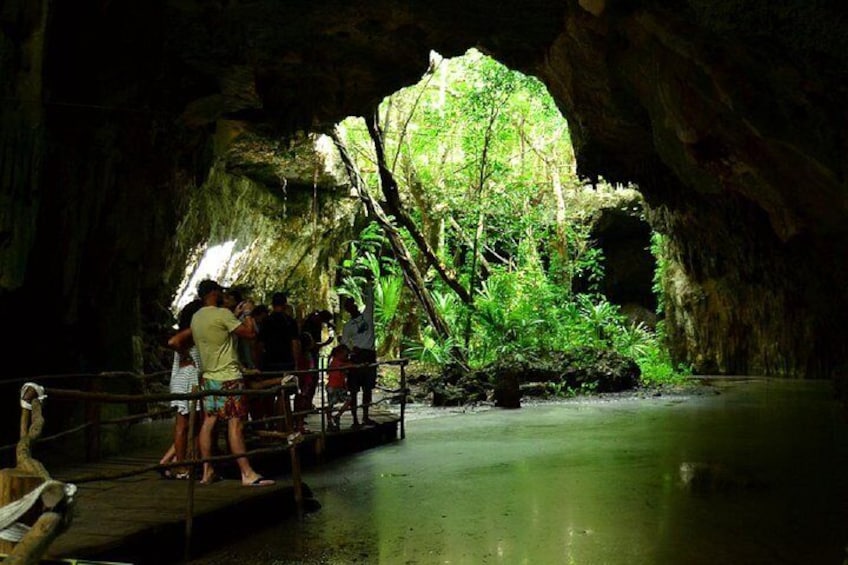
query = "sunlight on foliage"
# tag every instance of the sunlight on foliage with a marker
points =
(484, 166)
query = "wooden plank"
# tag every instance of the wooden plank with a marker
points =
(112, 513)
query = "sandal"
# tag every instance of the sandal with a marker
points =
(260, 481)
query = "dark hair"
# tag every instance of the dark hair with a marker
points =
(235, 293)
(259, 309)
(206, 286)
(338, 348)
(306, 340)
(279, 299)
(185, 315)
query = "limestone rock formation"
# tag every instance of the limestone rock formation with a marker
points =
(619, 229)
(729, 116)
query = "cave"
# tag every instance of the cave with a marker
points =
(117, 117)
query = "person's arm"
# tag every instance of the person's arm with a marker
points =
(330, 337)
(247, 329)
(369, 314)
(347, 335)
(181, 341)
(295, 349)
(369, 302)
(257, 348)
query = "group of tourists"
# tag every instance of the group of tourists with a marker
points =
(226, 344)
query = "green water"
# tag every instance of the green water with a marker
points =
(589, 482)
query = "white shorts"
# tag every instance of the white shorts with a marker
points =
(183, 379)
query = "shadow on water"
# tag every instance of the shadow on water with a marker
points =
(756, 474)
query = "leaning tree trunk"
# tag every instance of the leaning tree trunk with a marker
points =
(411, 274)
(561, 245)
(392, 196)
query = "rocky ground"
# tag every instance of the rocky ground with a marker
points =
(420, 404)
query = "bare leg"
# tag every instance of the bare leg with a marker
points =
(235, 431)
(206, 431)
(366, 404)
(353, 396)
(169, 456)
(345, 406)
(180, 440)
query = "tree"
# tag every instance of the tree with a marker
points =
(482, 206)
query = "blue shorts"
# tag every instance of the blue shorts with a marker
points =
(225, 407)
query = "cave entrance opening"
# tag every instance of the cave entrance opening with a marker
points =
(469, 177)
(474, 171)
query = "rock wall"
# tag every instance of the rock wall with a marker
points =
(728, 115)
(288, 237)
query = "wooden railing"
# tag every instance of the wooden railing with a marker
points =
(279, 384)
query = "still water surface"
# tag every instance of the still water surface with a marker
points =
(589, 482)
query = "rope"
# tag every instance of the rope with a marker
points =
(106, 374)
(109, 398)
(266, 387)
(165, 373)
(293, 440)
(14, 531)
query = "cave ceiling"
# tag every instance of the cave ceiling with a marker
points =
(650, 89)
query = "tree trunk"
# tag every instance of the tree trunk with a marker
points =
(411, 274)
(561, 244)
(475, 252)
(394, 206)
(485, 268)
(482, 178)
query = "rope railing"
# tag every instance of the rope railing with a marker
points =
(279, 384)
(29, 486)
(273, 384)
(102, 374)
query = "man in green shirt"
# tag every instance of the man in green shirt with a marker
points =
(215, 331)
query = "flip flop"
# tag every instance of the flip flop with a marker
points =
(165, 473)
(261, 481)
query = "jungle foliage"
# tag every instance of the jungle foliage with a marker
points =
(480, 163)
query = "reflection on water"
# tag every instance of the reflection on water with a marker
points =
(755, 474)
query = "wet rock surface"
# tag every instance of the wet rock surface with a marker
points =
(509, 380)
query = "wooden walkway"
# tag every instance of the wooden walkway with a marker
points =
(143, 518)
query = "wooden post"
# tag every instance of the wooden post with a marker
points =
(321, 383)
(321, 444)
(285, 409)
(24, 478)
(92, 416)
(192, 418)
(297, 482)
(402, 400)
(286, 426)
(14, 485)
(36, 542)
